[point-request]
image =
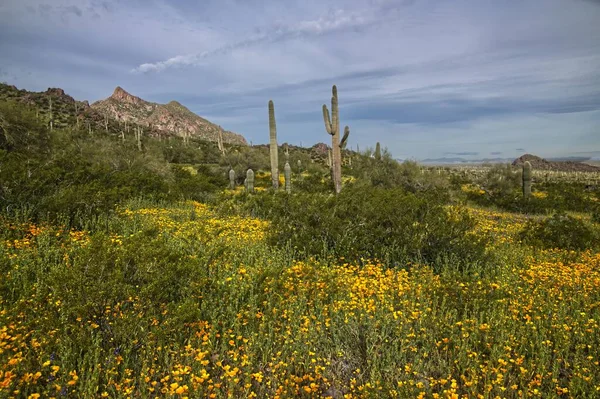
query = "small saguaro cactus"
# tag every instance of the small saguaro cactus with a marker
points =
(274, 152)
(526, 179)
(220, 142)
(378, 151)
(299, 163)
(51, 114)
(232, 179)
(138, 138)
(250, 181)
(333, 128)
(287, 173)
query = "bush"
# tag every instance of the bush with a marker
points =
(561, 231)
(363, 222)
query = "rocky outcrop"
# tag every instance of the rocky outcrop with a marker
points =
(171, 118)
(538, 163)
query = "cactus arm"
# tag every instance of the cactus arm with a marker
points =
(327, 120)
(345, 138)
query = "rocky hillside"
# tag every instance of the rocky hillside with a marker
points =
(64, 109)
(169, 118)
(538, 163)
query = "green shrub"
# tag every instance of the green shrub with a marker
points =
(363, 222)
(561, 231)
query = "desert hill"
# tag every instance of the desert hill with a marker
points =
(561, 166)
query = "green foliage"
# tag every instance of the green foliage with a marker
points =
(21, 131)
(364, 222)
(72, 173)
(389, 173)
(561, 231)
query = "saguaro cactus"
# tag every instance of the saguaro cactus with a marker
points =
(232, 179)
(378, 151)
(138, 138)
(333, 128)
(273, 146)
(287, 173)
(220, 142)
(51, 114)
(250, 181)
(526, 179)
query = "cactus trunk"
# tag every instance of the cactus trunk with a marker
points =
(250, 181)
(378, 151)
(287, 173)
(526, 179)
(232, 179)
(273, 146)
(51, 115)
(333, 128)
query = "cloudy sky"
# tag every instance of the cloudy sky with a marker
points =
(426, 78)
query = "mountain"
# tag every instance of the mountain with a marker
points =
(458, 160)
(565, 166)
(168, 118)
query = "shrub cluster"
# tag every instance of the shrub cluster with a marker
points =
(364, 222)
(561, 231)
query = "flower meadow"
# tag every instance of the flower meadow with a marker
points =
(180, 301)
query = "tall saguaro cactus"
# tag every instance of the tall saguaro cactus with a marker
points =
(378, 151)
(332, 125)
(526, 179)
(273, 146)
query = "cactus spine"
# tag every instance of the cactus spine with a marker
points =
(332, 126)
(250, 181)
(526, 179)
(287, 173)
(273, 146)
(232, 179)
(378, 151)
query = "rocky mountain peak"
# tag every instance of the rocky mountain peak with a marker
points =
(172, 118)
(55, 91)
(121, 95)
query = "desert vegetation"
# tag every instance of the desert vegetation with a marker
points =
(137, 266)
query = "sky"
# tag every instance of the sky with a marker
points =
(426, 78)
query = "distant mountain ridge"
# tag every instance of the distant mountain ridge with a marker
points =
(169, 118)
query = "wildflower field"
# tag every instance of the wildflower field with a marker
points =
(184, 301)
